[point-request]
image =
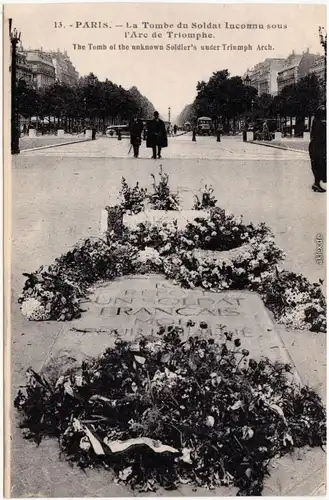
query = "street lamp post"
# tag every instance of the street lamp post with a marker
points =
(247, 82)
(14, 39)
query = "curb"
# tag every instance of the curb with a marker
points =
(53, 145)
(178, 135)
(276, 146)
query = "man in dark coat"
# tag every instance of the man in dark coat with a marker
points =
(219, 132)
(156, 135)
(136, 128)
(318, 149)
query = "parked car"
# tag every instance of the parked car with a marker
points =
(113, 130)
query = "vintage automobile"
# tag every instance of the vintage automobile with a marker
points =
(187, 126)
(204, 125)
(113, 130)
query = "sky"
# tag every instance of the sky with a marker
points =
(110, 34)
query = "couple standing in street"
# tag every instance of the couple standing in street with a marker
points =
(156, 135)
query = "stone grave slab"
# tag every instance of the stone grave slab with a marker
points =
(131, 307)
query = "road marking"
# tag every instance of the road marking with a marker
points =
(225, 149)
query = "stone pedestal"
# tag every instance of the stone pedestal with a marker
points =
(307, 136)
(250, 135)
(277, 136)
(32, 132)
(60, 133)
(157, 217)
(113, 219)
(89, 134)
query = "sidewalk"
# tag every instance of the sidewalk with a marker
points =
(27, 143)
(297, 145)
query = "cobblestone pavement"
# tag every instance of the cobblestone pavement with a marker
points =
(58, 195)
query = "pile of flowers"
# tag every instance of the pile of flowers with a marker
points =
(54, 292)
(218, 252)
(175, 409)
(294, 301)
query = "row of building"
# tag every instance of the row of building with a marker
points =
(273, 74)
(40, 69)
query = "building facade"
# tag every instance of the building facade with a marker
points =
(263, 76)
(273, 74)
(297, 66)
(319, 68)
(65, 72)
(23, 69)
(42, 67)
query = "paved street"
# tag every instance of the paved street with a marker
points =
(58, 194)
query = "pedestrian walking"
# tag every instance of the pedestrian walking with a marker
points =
(119, 135)
(318, 149)
(266, 133)
(175, 129)
(136, 128)
(219, 132)
(194, 134)
(93, 132)
(156, 136)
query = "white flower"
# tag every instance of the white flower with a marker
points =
(167, 247)
(34, 310)
(125, 473)
(85, 443)
(77, 426)
(29, 306)
(175, 261)
(149, 254)
(186, 455)
(210, 421)
(247, 433)
(239, 271)
(78, 380)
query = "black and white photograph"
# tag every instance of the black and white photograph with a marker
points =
(165, 249)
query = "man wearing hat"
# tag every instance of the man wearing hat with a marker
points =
(156, 135)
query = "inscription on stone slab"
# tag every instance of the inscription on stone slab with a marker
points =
(133, 307)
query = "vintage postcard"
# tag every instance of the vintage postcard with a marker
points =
(165, 246)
